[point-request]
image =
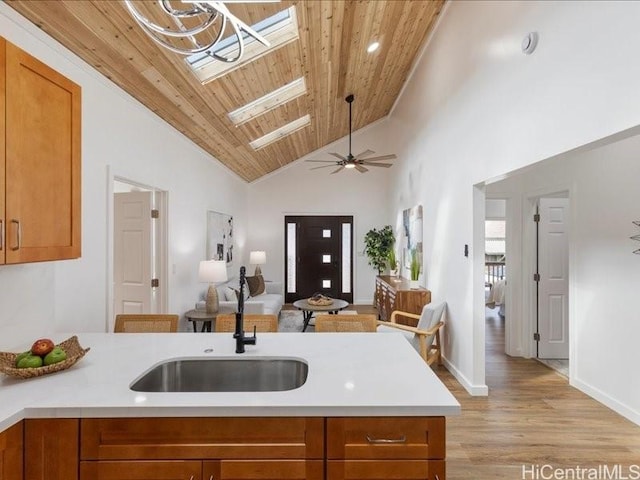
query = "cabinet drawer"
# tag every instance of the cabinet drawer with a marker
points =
(191, 438)
(362, 438)
(386, 469)
(179, 470)
(263, 469)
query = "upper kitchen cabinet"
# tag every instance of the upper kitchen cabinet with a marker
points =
(40, 173)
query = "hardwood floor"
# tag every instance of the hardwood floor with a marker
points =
(531, 417)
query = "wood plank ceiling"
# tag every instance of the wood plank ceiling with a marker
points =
(331, 53)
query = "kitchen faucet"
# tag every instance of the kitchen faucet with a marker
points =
(241, 340)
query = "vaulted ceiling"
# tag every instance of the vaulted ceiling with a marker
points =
(330, 53)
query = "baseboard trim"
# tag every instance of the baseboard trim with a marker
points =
(474, 390)
(597, 394)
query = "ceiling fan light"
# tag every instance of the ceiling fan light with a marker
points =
(373, 46)
(350, 165)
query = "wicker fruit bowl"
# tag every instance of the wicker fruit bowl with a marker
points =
(320, 300)
(71, 346)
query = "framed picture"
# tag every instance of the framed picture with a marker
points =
(219, 237)
(411, 234)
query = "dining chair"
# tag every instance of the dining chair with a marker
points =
(146, 322)
(263, 323)
(425, 337)
(346, 323)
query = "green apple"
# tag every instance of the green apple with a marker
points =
(56, 355)
(21, 356)
(30, 361)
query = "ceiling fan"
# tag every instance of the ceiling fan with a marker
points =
(358, 161)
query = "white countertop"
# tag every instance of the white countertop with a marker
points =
(350, 374)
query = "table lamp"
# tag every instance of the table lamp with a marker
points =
(258, 258)
(211, 272)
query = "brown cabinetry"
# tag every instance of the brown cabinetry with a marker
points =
(290, 448)
(386, 448)
(219, 448)
(11, 453)
(40, 160)
(394, 293)
(51, 449)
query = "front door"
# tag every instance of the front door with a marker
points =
(319, 257)
(553, 268)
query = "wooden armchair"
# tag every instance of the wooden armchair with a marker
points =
(145, 323)
(425, 337)
(345, 323)
(263, 323)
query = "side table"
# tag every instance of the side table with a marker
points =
(204, 317)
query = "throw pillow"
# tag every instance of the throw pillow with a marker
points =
(237, 294)
(256, 285)
(230, 294)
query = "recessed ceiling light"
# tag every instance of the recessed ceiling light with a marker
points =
(373, 47)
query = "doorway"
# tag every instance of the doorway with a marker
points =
(495, 256)
(139, 250)
(318, 257)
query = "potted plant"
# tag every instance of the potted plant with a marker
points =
(377, 244)
(415, 268)
(393, 262)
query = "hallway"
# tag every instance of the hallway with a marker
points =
(531, 417)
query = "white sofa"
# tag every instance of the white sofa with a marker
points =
(269, 302)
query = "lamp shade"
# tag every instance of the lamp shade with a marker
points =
(258, 258)
(212, 271)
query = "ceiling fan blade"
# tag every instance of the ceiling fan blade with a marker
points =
(382, 157)
(339, 156)
(321, 161)
(337, 169)
(322, 166)
(361, 169)
(371, 164)
(366, 153)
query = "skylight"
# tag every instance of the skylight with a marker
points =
(269, 101)
(279, 29)
(280, 133)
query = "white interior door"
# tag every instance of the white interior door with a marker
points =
(132, 255)
(553, 288)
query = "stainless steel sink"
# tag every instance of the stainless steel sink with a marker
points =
(263, 374)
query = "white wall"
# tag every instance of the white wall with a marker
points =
(70, 296)
(476, 108)
(296, 189)
(604, 273)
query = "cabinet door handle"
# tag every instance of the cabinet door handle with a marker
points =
(402, 439)
(1, 234)
(18, 233)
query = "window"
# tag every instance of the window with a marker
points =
(269, 101)
(278, 29)
(495, 237)
(280, 133)
(291, 257)
(346, 258)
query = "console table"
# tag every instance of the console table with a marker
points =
(394, 293)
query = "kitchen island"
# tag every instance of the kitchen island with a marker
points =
(369, 405)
